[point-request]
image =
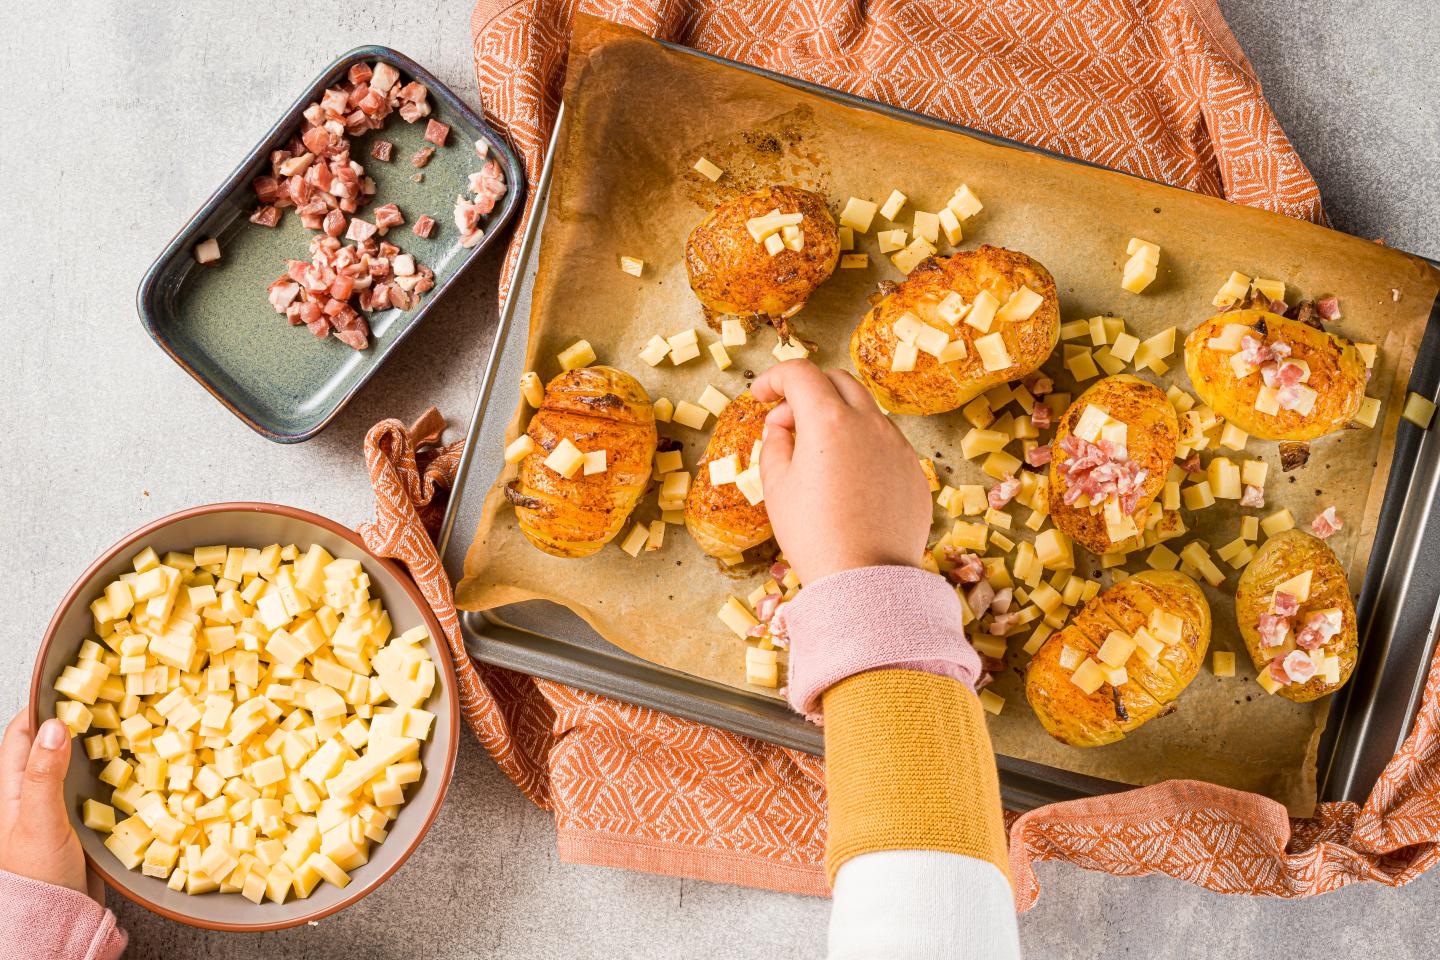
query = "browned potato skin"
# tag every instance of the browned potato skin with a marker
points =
(1282, 557)
(1089, 720)
(1154, 433)
(735, 276)
(595, 408)
(720, 519)
(1337, 374)
(933, 387)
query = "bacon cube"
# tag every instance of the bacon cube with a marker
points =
(361, 73)
(424, 226)
(266, 216)
(437, 132)
(423, 156)
(382, 150)
(388, 216)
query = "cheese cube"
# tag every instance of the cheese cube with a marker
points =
(664, 410)
(689, 415)
(519, 448)
(1232, 290)
(858, 214)
(904, 357)
(1137, 275)
(578, 354)
(854, 261)
(1116, 649)
(713, 400)
(1021, 305)
(1418, 410)
(1369, 412)
(964, 204)
(890, 209)
(791, 350)
(927, 225)
(1165, 626)
(982, 312)
(1278, 522)
(566, 460)
(1089, 676)
(707, 169)
(991, 348)
(594, 462)
(891, 240)
(749, 484)
(732, 332)
(724, 469)
(654, 351)
(734, 615)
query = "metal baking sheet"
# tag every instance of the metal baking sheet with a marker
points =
(1398, 608)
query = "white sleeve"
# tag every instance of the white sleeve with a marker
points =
(922, 905)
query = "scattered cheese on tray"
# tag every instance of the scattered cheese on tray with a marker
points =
(854, 261)
(689, 415)
(565, 459)
(890, 209)
(632, 265)
(858, 215)
(964, 204)
(531, 389)
(1223, 663)
(1418, 410)
(207, 252)
(1232, 290)
(578, 354)
(707, 169)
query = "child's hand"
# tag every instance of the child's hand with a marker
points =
(843, 486)
(36, 839)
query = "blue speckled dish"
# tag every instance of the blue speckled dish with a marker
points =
(216, 322)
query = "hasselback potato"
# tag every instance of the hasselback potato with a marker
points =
(720, 518)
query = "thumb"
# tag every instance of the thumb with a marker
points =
(42, 800)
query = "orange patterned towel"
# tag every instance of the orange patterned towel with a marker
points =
(1154, 87)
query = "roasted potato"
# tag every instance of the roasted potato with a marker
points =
(1151, 437)
(1337, 375)
(935, 387)
(595, 408)
(1282, 557)
(1083, 719)
(734, 275)
(720, 519)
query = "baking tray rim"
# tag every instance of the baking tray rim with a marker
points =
(152, 287)
(1024, 784)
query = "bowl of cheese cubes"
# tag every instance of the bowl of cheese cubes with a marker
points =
(265, 715)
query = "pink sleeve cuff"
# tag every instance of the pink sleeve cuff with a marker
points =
(874, 618)
(39, 919)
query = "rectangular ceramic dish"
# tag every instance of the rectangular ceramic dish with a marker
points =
(215, 321)
(1368, 721)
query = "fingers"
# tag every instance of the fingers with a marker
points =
(801, 383)
(42, 800)
(782, 417)
(14, 751)
(778, 448)
(852, 391)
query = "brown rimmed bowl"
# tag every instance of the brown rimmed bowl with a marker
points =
(252, 524)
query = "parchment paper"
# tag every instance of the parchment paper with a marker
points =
(638, 116)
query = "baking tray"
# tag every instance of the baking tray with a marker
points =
(215, 321)
(1370, 717)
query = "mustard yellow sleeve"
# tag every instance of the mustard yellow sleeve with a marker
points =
(908, 766)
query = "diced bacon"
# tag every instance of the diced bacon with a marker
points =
(470, 239)
(1328, 308)
(437, 132)
(422, 156)
(979, 597)
(388, 216)
(266, 216)
(333, 307)
(399, 298)
(467, 215)
(342, 287)
(1003, 492)
(1272, 629)
(1327, 524)
(1042, 416)
(1257, 353)
(283, 293)
(319, 326)
(424, 226)
(779, 570)
(360, 73)
(969, 568)
(380, 297)
(1319, 628)
(1099, 471)
(382, 150)
(765, 609)
(317, 140)
(383, 77)
(357, 93)
(335, 101)
(1038, 456)
(1252, 496)
(267, 189)
(1279, 306)
(360, 230)
(426, 283)
(1285, 604)
(1039, 384)
(411, 111)
(414, 91)
(1003, 623)
(1002, 600)
(1288, 397)
(1297, 666)
(334, 223)
(482, 148)
(1191, 464)
(373, 104)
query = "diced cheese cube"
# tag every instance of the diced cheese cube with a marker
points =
(707, 169)
(1166, 626)
(927, 225)
(734, 615)
(790, 350)
(664, 410)
(1021, 305)
(890, 209)
(904, 357)
(982, 312)
(636, 539)
(713, 400)
(1272, 289)
(964, 203)
(732, 332)
(519, 448)
(594, 462)
(1137, 275)
(749, 484)
(655, 350)
(724, 469)
(578, 354)
(1232, 290)
(1369, 412)
(1278, 522)
(690, 415)
(992, 702)
(854, 261)
(631, 265)
(1418, 410)
(1089, 676)
(566, 459)
(993, 354)
(858, 214)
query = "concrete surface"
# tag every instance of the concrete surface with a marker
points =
(122, 117)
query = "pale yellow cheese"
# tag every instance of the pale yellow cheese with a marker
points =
(858, 214)
(578, 354)
(893, 204)
(707, 169)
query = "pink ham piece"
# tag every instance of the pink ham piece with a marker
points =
(1272, 629)
(969, 568)
(437, 132)
(1319, 628)
(1038, 456)
(360, 73)
(1257, 352)
(1040, 385)
(424, 226)
(283, 293)
(266, 216)
(1003, 492)
(360, 230)
(779, 570)
(1327, 524)
(1000, 603)
(382, 150)
(388, 216)
(1097, 472)
(1253, 496)
(1042, 417)
(1328, 308)
(334, 224)
(1297, 667)
(422, 156)
(1191, 464)
(1003, 623)
(1285, 605)
(767, 606)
